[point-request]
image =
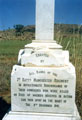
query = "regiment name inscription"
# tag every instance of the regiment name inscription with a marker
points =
(41, 89)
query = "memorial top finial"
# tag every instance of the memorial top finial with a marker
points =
(45, 20)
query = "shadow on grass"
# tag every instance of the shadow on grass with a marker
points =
(4, 106)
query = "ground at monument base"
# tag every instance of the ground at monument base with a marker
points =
(40, 116)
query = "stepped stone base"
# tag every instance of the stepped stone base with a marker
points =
(40, 116)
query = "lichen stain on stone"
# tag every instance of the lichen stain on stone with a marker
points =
(33, 65)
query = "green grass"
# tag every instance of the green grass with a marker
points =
(8, 57)
(11, 47)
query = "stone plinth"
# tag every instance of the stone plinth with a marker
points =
(43, 84)
(43, 89)
(40, 116)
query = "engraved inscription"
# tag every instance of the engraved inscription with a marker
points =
(42, 89)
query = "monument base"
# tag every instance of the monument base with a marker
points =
(40, 116)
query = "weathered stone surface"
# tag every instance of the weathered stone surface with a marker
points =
(43, 89)
(43, 54)
(46, 57)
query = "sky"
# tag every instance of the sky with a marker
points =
(14, 12)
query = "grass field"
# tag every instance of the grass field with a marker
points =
(8, 57)
(74, 45)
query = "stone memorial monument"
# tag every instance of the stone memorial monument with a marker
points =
(43, 82)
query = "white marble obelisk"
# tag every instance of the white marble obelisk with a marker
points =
(43, 82)
(44, 20)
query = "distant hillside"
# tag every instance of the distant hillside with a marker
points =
(28, 32)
